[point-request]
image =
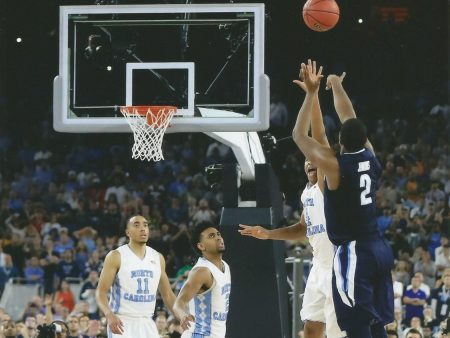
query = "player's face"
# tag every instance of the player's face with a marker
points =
(446, 279)
(212, 241)
(137, 229)
(311, 172)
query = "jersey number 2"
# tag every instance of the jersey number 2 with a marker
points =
(365, 182)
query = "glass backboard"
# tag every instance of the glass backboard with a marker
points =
(207, 60)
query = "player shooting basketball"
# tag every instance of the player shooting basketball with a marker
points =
(318, 310)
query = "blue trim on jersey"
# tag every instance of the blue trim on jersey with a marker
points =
(203, 314)
(109, 332)
(115, 296)
(197, 335)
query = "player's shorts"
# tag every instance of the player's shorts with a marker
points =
(136, 327)
(362, 283)
(318, 301)
(187, 334)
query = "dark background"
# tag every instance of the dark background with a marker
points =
(380, 55)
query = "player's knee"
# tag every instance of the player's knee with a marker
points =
(314, 329)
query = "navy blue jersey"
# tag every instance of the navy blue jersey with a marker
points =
(350, 210)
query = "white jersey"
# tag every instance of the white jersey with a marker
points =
(313, 209)
(133, 293)
(210, 308)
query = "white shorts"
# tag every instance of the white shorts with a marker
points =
(136, 327)
(187, 334)
(318, 303)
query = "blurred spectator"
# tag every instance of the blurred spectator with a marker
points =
(7, 271)
(391, 334)
(279, 115)
(93, 264)
(161, 325)
(52, 223)
(16, 249)
(413, 333)
(398, 291)
(181, 242)
(16, 225)
(117, 188)
(423, 286)
(174, 329)
(217, 149)
(34, 274)
(86, 235)
(87, 293)
(384, 221)
(176, 212)
(427, 267)
(444, 241)
(443, 258)
(428, 318)
(9, 329)
(31, 326)
(64, 297)
(49, 263)
(67, 267)
(203, 213)
(111, 220)
(418, 210)
(440, 299)
(435, 194)
(402, 273)
(81, 255)
(64, 243)
(33, 308)
(84, 324)
(181, 278)
(74, 327)
(414, 299)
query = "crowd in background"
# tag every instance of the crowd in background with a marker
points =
(64, 208)
(64, 198)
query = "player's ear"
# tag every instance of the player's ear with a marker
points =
(200, 246)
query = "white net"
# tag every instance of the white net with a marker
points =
(149, 125)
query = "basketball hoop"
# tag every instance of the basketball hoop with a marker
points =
(149, 123)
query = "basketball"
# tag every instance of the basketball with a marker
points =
(321, 15)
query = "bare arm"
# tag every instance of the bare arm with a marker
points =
(290, 233)
(198, 278)
(164, 286)
(107, 276)
(342, 102)
(48, 309)
(320, 156)
(318, 133)
(317, 127)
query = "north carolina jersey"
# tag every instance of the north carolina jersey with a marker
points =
(350, 210)
(133, 293)
(210, 308)
(316, 231)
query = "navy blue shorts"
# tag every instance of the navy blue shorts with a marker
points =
(362, 283)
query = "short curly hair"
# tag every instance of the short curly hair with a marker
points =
(197, 234)
(353, 135)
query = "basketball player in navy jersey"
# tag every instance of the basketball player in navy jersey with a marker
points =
(133, 272)
(317, 308)
(206, 292)
(362, 284)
